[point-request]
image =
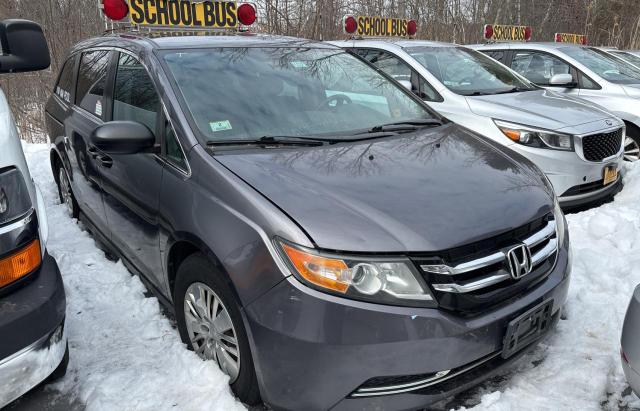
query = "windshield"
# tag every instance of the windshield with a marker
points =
(628, 57)
(607, 67)
(249, 93)
(468, 72)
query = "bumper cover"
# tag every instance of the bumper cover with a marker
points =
(33, 342)
(343, 343)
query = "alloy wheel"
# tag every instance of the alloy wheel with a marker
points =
(65, 190)
(631, 149)
(211, 330)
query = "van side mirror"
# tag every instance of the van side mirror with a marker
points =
(562, 80)
(122, 137)
(24, 47)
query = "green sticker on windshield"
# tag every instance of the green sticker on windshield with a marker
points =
(220, 125)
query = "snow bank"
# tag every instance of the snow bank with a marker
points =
(125, 355)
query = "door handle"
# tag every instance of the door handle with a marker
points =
(106, 161)
(93, 152)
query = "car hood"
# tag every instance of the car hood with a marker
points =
(632, 90)
(427, 191)
(539, 108)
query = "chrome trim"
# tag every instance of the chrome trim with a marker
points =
(541, 235)
(544, 234)
(425, 383)
(473, 286)
(18, 224)
(436, 376)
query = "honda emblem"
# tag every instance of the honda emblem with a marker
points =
(519, 259)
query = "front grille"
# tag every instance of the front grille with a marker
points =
(597, 147)
(476, 281)
(584, 188)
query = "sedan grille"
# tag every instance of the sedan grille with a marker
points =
(478, 281)
(597, 147)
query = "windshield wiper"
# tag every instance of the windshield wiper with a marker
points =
(515, 90)
(276, 141)
(407, 125)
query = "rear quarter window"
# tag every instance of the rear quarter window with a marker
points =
(64, 86)
(92, 79)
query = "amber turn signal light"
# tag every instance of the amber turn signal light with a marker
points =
(21, 263)
(325, 272)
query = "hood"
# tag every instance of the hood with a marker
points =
(539, 108)
(426, 191)
(632, 90)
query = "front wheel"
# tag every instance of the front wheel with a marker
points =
(210, 323)
(632, 145)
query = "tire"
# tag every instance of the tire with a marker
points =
(197, 273)
(632, 144)
(61, 370)
(66, 194)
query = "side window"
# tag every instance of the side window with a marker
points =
(538, 67)
(134, 96)
(499, 55)
(172, 150)
(65, 81)
(587, 83)
(400, 70)
(92, 79)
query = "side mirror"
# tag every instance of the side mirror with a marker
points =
(406, 84)
(24, 47)
(563, 80)
(122, 137)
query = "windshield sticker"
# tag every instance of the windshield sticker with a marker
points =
(299, 64)
(99, 108)
(220, 125)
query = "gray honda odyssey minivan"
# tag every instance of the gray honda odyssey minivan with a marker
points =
(320, 233)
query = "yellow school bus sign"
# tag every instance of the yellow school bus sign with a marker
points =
(570, 38)
(499, 32)
(184, 13)
(373, 26)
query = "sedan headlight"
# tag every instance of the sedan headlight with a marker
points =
(387, 281)
(534, 137)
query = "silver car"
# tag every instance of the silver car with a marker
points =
(625, 56)
(576, 143)
(629, 347)
(593, 75)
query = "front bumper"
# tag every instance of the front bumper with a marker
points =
(313, 350)
(33, 340)
(568, 172)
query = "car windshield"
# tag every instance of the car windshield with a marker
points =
(628, 57)
(248, 93)
(468, 72)
(607, 67)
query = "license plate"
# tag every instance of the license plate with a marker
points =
(610, 174)
(527, 328)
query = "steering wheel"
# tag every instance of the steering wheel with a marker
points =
(340, 99)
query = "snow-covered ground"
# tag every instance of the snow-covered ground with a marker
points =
(126, 355)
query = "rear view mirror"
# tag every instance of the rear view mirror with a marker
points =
(565, 80)
(122, 137)
(24, 47)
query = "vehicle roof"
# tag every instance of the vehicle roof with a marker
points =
(157, 40)
(534, 44)
(400, 42)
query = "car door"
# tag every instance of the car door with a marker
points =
(85, 116)
(538, 67)
(131, 182)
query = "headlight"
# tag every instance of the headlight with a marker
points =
(558, 215)
(14, 197)
(387, 281)
(533, 137)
